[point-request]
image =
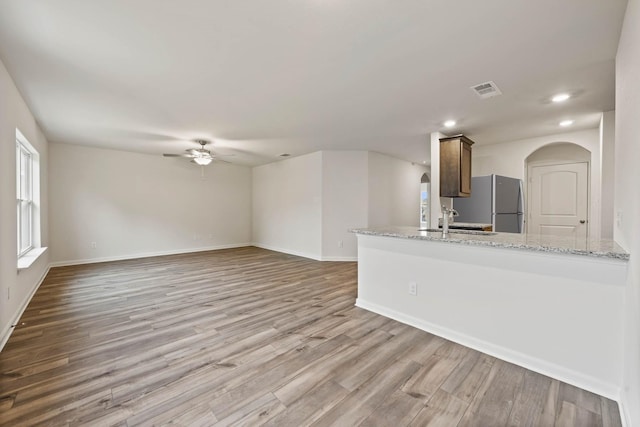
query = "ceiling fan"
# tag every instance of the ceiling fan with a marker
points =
(200, 156)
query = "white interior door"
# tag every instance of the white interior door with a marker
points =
(558, 200)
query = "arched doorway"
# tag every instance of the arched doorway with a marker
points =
(558, 191)
(425, 200)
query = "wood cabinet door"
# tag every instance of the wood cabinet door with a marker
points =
(450, 168)
(465, 169)
(455, 167)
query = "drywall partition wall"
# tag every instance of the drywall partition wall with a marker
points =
(509, 158)
(306, 205)
(344, 202)
(627, 200)
(287, 206)
(108, 204)
(607, 171)
(16, 287)
(394, 191)
(436, 201)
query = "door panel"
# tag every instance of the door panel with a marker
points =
(558, 197)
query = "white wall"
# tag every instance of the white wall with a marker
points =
(607, 170)
(627, 198)
(287, 209)
(306, 205)
(344, 202)
(394, 191)
(15, 289)
(133, 204)
(509, 159)
(560, 152)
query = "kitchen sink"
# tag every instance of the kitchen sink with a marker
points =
(458, 231)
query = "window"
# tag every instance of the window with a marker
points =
(28, 201)
(24, 180)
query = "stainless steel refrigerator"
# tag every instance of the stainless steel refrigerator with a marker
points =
(496, 200)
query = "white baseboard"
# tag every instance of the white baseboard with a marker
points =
(8, 330)
(543, 367)
(287, 251)
(340, 258)
(147, 255)
(625, 416)
(304, 254)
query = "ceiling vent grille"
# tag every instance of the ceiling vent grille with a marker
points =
(486, 90)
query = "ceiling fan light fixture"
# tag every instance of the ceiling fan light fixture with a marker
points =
(203, 161)
(561, 97)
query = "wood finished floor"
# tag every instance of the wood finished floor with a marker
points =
(253, 337)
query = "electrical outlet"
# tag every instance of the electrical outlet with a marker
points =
(8, 293)
(94, 245)
(340, 243)
(413, 288)
(618, 218)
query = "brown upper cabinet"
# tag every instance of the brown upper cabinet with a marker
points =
(455, 166)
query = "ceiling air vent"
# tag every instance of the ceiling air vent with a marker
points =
(486, 90)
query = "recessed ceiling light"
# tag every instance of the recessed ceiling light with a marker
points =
(566, 123)
(424, 162)
(450, 123)
(561, 97)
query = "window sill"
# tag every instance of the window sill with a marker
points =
(29, 258)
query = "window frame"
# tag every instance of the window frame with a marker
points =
(24, 198)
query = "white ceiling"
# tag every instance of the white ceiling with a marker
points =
(266, 77)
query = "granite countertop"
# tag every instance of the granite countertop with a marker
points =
(603, 248)
(455, 224)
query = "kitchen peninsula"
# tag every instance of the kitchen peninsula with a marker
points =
(545, 303)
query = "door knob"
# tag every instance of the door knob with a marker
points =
(582, 221)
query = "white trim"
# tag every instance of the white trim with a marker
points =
(146, 255)
(305, 254)
(552, 370)
(340, 258)
(25, 261)
(8, 330)
(625, 416)
(287, 251)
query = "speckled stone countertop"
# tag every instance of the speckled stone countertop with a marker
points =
(474, 225)
(532, 242)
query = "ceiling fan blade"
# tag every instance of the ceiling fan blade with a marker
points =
(189, 156)
(222, 155)
(215, 159)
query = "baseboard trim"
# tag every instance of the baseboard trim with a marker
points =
(304, 254)
(625, 416)
(147, 255)
(552, 370)
(286, 251)
(340, 258)
(8, 330)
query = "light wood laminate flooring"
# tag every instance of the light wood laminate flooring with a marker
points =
(253, 337)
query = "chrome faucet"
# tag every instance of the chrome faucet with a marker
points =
(446, 214)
